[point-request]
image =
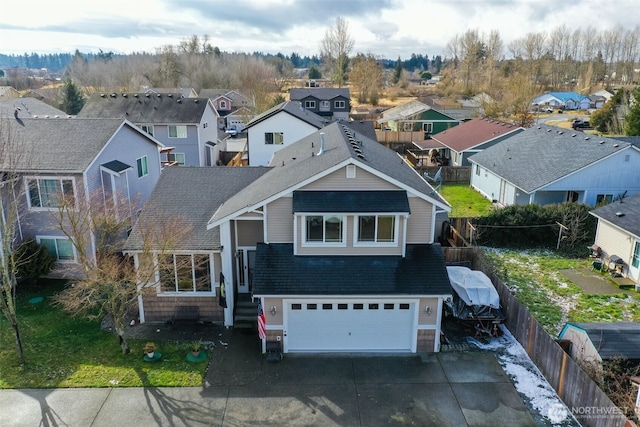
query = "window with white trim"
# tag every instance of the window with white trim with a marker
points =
(325, 105)
(339, 104)
(273, 138)
(177, 131)
(407, 126)
(376, 229)
(223, 105)
(185, 273)
(477, 169)
(49, 192)
(324, 229)
(427, 127)
(60, 247)
(604, 199)
(635, 261)
(309, 104)
(143, 168)
(147, 128)
(176, 157)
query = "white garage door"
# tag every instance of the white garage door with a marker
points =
(350, 326)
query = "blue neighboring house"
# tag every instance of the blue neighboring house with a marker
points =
(563, 100)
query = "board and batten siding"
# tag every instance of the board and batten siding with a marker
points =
(420, 220)
(280, 220)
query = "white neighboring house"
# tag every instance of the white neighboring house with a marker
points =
(277, 128)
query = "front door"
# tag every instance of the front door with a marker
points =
(246, 260)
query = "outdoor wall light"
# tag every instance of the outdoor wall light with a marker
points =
(428, 310)
(273, 310)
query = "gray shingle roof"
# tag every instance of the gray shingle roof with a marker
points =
(543, 154)
(293, 108)
(58, 145)
(299, 163)
(323, 93)
(145, 107)
(350, 201)
(629, 207)
(188, 195)
(28, 107)
(618, 339)
(421, 272)
(116, 166)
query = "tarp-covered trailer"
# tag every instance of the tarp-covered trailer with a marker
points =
(476, 302)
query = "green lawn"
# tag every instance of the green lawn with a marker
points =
(465, 201)
(61, 351)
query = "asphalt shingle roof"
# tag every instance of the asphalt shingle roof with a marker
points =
(543, 154)
(187, 196)
(293, 108)
(300, 162)
(629, 208)
(618, 339)
(116, 166)
(145, 107)
(350, 201)
(58, 145)
(473, 133)
(28, 107)
(327, 93)
(421, 272)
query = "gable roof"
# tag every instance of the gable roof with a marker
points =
(617, 339)
(28, 107)
(543, 154)
(421, 271)
(623, 213)
(8, 92)
(567, 96)
(61, 145)
(321, 93)
(188, 195)
(293, 108)
(635, 140)
(146, 107)
(408, 110)
(300, 163)
(474, 132)
(187, 92)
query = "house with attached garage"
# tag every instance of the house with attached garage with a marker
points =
(89, 162)
(329, 103)
(335, 240)
(414, 116)
(188, 125)
(618, 236)
(548, 164)
(562, 100)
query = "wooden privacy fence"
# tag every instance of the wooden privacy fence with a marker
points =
(588, 403)
(449, 174)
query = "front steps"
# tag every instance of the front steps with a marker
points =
(246, 313)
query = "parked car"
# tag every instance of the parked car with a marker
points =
(581, 124)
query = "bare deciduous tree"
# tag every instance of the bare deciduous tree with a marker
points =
(335, 48)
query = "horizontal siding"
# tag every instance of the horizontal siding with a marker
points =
(423, 317)
(271, 319)
(338, 180)
(249, 232)
(420, 220)
(612, 241)
(280, 221)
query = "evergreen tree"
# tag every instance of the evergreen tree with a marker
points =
(397, 74)
(72, 101)
(314, 73)
(632, 120)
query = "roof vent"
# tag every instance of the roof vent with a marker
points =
(159, 95)
(179, 101)
(124, 95)
(616, 145)
(560, 132)
(135, 95)
(360, 156)
(195, 101)
(586, 138)
(601, 142)
(619, 214)
(548, 130)
(573, 135)
(102, 95)
(147, 95)
(321, 144)
(113, 95)
(169, 95)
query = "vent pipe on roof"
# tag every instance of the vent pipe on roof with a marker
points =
(321, 152)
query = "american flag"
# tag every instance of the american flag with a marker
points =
(262, 322)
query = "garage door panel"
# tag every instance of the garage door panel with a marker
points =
(350, 329)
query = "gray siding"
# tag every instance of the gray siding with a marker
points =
(280, 221)
(188, 146)
(420, 220)
(338, 181)
(249, 232)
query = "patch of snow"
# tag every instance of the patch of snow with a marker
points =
(528, 379)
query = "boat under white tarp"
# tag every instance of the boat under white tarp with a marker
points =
(473, 286)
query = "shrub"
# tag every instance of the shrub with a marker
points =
(34, 260)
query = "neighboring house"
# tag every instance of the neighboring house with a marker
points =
(29, 107)
(187, 92)
(416, 116)
(335, 240)
(594, 102)
(226, 101)
(547, 164)
(472, 137)
(607, 95)
(7, 92)
(562, 100)
(462, 109)
(618, 234)
(86, 159)
(277, 128)
(189, 125)
(600, 341)
(330, 103)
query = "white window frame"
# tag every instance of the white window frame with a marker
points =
(38, 179)
(340, 104)
(180, 130)
(407, 127)
(176, 290)
(427, 127)
(273, 138)
(223, 104)
(142, 166)
(171, 157)
(375, 242)
(309, 104)
(147, 128)
(635, 258)
(56, 239)
(324, 243)
(325, 105)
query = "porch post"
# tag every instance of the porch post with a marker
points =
(227, 259)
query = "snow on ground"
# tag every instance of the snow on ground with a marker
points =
(528, 380)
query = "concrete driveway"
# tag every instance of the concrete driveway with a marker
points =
(445, 389)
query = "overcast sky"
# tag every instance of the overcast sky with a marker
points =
(388, 28)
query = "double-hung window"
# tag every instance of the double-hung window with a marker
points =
(273, 138)
(176, 157)
(177, 131)
(324, 229)
(147, 128)
(310, 104)
(143, 168)
(325, 105)
(339, 104)
(50, 192)
(635, 261)
(376, 229)
(427, 127)
(185, 273)
(60, 247)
